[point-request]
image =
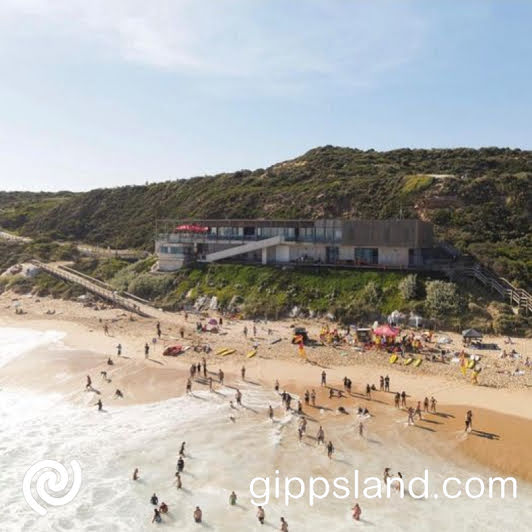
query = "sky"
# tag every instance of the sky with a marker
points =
(101, 93)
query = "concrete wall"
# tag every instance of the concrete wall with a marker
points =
(393, 256)
(282, 253)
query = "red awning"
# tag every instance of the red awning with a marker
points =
(386, 330)
(191, 228)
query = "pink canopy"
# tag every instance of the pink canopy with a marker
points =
(191, 228)
(386, 330)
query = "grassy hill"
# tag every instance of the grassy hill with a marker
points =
(479, 200)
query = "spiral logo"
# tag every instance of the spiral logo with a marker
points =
(51, 476)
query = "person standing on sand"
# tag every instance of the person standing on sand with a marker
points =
(418, 410)
(192, 371)
(232, 498)
(119, 349)
(189, 386)
(381, 383)
(307, 397)
(469, 421)
(180, 464)
(411, 416)
(320, 437)
(323, 378)
(433, 405)
(361, 429)
(254, 331)
(243, 373)
(397, 399)
(368, 391)
(158, 328)
(204, 364)
(221, 376)
(210, 384)
(284, 525)
(88, 386)
(99, 405)
(238, 397)
(245, 331)
(261, 515)
(426, 404)
(403, 398)
(276, 387)
(330, 449)
(182, 449)
(106, 329)
(270, 412)
(299, 408)
(357, 512)
(313, 397)
(303, 425)
(387, 383)
(146, 350)
(136, 474)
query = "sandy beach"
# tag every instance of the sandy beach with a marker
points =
(502, 416)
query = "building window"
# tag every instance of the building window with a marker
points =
(366, 255)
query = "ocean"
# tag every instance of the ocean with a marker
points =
(221, 455)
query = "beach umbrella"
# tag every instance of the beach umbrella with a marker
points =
(192, 228)
(471, 333)
(386, 330)
(213, 321)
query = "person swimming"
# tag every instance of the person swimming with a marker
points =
(180, 464)
(284, 525)
(119, 394)
(261, 515)
(182, 449)
(270, 412)
(232, 498)
(357, 512)
(154, 500)
(198, 515)
(156, 516)
(136, 474)
(163, 508)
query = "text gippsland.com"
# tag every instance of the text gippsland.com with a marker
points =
(263, 489)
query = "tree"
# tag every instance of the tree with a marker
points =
(408, 287)
(443, 299)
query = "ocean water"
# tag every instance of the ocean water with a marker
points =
(222, 455)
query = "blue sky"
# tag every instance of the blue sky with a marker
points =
(104, 93)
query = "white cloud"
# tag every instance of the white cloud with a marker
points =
(270, 41)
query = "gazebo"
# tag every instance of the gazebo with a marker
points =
(469, 335)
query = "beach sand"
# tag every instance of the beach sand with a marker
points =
(502, 415)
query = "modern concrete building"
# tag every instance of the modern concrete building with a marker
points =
(357, 243)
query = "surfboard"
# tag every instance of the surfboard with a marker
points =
(229, 352)
(222, 351)
(471, 364)
(393, 359)
(251, 354)
(418, 362)
(408, 361)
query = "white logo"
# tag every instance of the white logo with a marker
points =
(51, 476)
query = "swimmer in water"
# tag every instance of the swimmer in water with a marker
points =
(99, 405)
(232, 498)
(110, 362)
(182, 449)
(357, 512)
(198, 515)
(119, 394)
(136, 474)
(270, 412)
(261, 515)
(210, 384)
(163, 508)
(189, 386)
(276, 387)
(154, 500)
(156, 516)
(284, 525)
(180, 464)
(88, 386)
(178, 482)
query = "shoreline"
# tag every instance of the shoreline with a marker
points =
(501, 416)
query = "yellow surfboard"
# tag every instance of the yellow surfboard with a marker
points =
(393, 359)
(222, 351)
(251, 354)
(418, 362)
(229, 352)
(408, 361)
(471, 364)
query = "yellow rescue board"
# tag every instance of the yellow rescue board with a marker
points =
(222, 351)
(393, 359)
(408, 361)
(471, 364)
(229, 352)
(251, 354)
(418, 362)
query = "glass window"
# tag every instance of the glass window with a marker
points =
(366, 255)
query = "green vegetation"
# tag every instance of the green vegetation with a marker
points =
(479, 200)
